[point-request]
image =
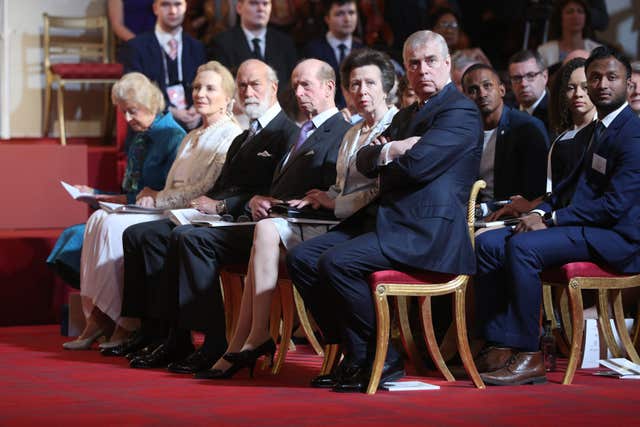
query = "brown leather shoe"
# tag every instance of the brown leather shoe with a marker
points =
(523, 368)
(489, 359)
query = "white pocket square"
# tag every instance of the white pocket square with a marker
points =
(310, 153)
(265, 153)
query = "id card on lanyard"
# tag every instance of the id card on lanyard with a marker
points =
(175, 92)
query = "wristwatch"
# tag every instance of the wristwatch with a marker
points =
(221, 207)
(547, 219)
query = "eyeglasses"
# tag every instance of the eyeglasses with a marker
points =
(447, 25)
(528, 77)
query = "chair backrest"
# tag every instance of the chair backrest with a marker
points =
(471, 208)
(75, 40)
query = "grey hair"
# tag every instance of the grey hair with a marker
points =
(421, 38)
(137, 88)
(461, 60)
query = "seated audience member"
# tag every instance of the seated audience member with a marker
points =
(570, 29)
(129, 18)
(600, 224)
(170, 58)
(447, 23)
(426, 161)
(206, 18)
(197, 166)
(155, 139)
(463, 59)
(528, 76)
(570, 111)
(341, 17)
(634, 93)
(248, 168)
(406, 94)
(253, 39)
(514, 157)
(370, 76)
(196, 253)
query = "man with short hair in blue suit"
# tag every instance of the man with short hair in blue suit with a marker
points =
(341, 17)
(169, 57)
(426, 161)
(601, 224)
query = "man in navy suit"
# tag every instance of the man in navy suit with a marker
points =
(601, 224)
(253, 39)
(514, 158)
(170, 58)
(426, 161)
(341, 17)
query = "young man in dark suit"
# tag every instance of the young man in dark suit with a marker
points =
(341, 17)
(253, 39)
(249, 165)
(169, 57)
(196, 253)
(601, 224)
(426, 161)
(514, 157)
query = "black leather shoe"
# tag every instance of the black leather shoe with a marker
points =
(144, 351)
(195, 362)
(353, 379)
(324, 381)
(160, 357)
(135, 343)
(392, 370)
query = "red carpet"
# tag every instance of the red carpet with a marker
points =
(45, 385)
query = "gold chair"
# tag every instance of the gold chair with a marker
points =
(91, 64)
(573, 278)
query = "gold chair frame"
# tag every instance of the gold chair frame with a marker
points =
(98, 51)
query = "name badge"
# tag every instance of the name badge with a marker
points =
(599, 164)
(177, 97)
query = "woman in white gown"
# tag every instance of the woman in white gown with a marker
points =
(369, 76)
(197, 166)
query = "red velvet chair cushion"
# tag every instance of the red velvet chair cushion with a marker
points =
(408, 277)
(88, 71)
(576, 269)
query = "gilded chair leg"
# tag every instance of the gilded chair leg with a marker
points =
(63, 135)
(604, 320)
(636, 328)
(547, 298)
(459, 313)
(432, 343)
(565, 313)
(623, 333)
(47, 108)
(449, 345)
(305, 322)
(330, 359)
(232, 292)
(407, 336)
(286, 302)
(276, 315)
(382, 338)
(577, 320)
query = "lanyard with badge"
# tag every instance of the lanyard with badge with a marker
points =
(175, 92)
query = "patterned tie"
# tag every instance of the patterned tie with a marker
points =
(343, 52)
(304, 134)
(257, 52)
(254, 127)
(173, 49)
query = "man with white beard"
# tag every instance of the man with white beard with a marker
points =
(248, 169)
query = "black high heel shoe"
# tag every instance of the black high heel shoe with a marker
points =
(249, 357)
(219, 374)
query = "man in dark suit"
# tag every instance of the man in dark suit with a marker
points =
(341, 17)
(528, 75)
(249, 166)
(426, 162)
(514, 158)
(253, 39)
(601, 224)
(169, 57)
(195, 254)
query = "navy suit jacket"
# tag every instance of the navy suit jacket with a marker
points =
(520, 165)
(313, 164)
(143, 54)
(248, 168)
(607, 204)
(320, 48)
(231, 49)
(421, 221)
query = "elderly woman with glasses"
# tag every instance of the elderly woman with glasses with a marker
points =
(196, 167)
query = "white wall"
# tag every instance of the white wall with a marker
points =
(22, 77)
